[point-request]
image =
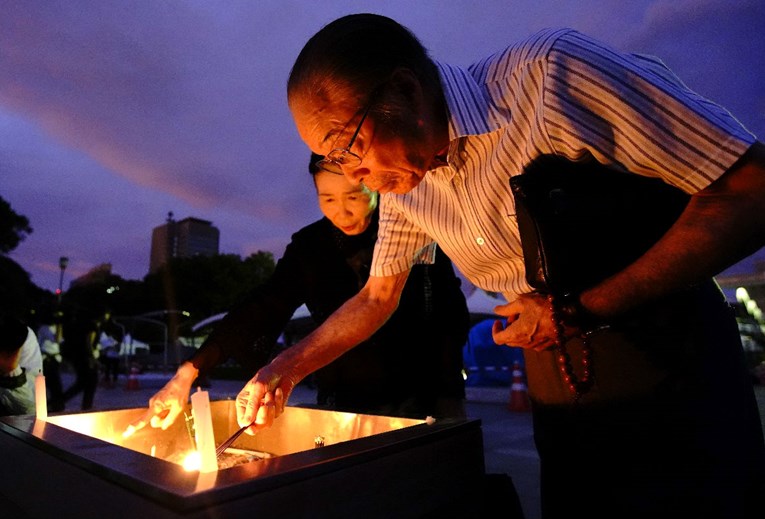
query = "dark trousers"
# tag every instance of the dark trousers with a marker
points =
(670, 428)
(52, 372)
(86, 381)
(111, 369)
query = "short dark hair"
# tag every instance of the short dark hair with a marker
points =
(13, 333)
(312, 167)
(361, 50)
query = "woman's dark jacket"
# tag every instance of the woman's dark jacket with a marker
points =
(416, 355)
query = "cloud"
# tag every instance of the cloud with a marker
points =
(716, 47)
(114, 113)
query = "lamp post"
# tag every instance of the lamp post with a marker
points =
(63, 261)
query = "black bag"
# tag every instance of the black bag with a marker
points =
(581, 222)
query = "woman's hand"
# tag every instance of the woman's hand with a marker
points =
(168, 403)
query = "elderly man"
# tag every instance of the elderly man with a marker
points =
(642, 404)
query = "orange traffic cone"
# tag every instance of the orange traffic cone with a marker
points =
(519, 397)
(132, 381)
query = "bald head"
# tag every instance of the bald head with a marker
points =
(358, 50)
(364, 85)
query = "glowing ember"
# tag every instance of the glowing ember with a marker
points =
(192, 461)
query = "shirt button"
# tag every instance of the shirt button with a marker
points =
(480, 240)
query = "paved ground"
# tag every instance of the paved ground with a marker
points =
(508, 442)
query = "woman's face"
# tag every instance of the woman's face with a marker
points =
(348, 207)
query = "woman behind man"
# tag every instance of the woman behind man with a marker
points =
(20, 363)
(326, 263)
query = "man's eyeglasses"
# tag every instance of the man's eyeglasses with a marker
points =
(335, 160)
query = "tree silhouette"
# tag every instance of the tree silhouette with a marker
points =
(14, 227)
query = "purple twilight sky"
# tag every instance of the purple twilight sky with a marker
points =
(113, 113)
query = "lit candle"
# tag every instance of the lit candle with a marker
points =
(203, 431)
(41, 402)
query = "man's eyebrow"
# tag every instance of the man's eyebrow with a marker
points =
(329, 135)
(335, 132)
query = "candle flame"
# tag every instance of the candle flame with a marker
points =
(192, 461)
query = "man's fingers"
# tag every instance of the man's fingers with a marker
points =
(502, 333)
(279, 401)
(496, 327)
(266, 409)
(255, 410)
(260, 401)
(264, 418)
(245, 407)
(262, 415)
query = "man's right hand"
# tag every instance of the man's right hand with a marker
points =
(264, 396)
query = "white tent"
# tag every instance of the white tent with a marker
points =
(209, 320)
(302, 311)
(129, 345)
(479, 302)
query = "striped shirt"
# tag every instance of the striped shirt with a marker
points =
(562, 93)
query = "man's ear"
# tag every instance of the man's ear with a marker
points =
(406, 85)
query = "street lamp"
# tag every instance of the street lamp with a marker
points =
(63, 261)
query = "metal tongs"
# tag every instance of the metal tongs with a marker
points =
(226, 444)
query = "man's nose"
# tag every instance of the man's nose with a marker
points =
(356, 175)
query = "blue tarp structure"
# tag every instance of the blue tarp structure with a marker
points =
(487, 363)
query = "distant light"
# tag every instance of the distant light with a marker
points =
(58, 291)
(742, 294)
(112, 289)
(186, 314)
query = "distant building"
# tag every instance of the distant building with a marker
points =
(182, 239)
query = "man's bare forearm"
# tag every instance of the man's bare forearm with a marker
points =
(354, 322)
(721, 225)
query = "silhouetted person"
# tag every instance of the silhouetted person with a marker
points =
(80, 349)
(109, 341)
(49, 335)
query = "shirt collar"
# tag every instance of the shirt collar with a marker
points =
(471, 111)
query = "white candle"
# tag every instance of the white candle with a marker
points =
(41, 402)
(203, 431)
